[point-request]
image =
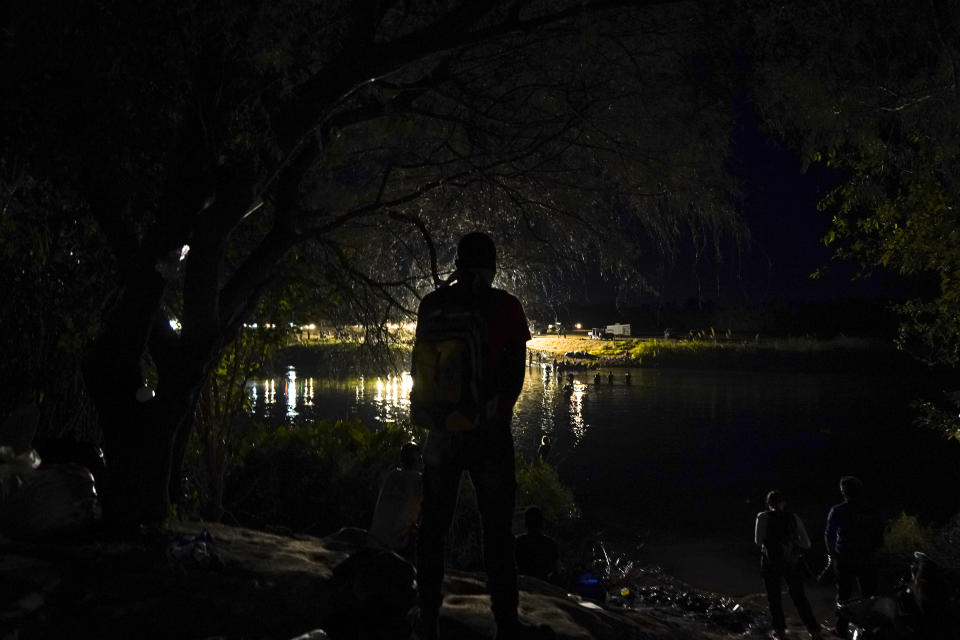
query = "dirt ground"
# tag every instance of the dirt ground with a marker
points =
(558, 345)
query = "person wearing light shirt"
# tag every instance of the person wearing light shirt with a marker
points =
(781, 536)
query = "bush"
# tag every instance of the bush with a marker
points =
(538, 483)
(312, 478)
(464, 542)
(326, 475)
(946, 543)
(905, 534)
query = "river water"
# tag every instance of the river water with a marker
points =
(678, 461)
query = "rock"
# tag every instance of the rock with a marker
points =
(265, 586)
(373, 592)
(316, 634)
(58, 500)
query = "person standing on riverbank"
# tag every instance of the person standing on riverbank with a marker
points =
(483, 447)
(852, 535)
(781, 536)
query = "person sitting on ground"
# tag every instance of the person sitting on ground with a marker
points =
(398, 507)
(781, 536)
(537, 554)
(544, 450)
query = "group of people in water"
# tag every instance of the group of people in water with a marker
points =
(559, 366)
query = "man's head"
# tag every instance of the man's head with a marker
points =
(477, 253)
(410, 456)
(775, 500)
(850, 487)
(533, 518)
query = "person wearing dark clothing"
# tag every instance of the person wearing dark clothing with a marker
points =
(544, 450)
(537, 554)
(485, 452)
(596, 379)
(781, 536)
(626, 378)
(852, 535)
(610, 378)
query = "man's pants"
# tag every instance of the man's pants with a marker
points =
(487, 454)
(849, 573)
(794, 580)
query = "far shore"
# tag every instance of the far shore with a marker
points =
(704, 351)
(709, 350)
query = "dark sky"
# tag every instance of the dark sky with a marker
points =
(780, 209)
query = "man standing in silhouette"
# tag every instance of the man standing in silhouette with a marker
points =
(485, 452)
(852, 536)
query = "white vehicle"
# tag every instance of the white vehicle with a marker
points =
(618, 329)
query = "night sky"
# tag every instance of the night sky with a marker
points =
(780, 209)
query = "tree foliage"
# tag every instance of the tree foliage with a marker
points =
(214, 151)
(871, 89)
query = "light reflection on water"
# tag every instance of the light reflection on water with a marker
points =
(293, 399)
(548, 405)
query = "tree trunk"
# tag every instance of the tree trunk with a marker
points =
(137, 446)
(140, 438)
(143, 442)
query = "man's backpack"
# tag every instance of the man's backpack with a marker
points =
(780, 549)
(447, 369)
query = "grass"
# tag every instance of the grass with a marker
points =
(699, 350)
(708, 349)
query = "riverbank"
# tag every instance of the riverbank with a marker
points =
(709, 351)
(701, 351)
